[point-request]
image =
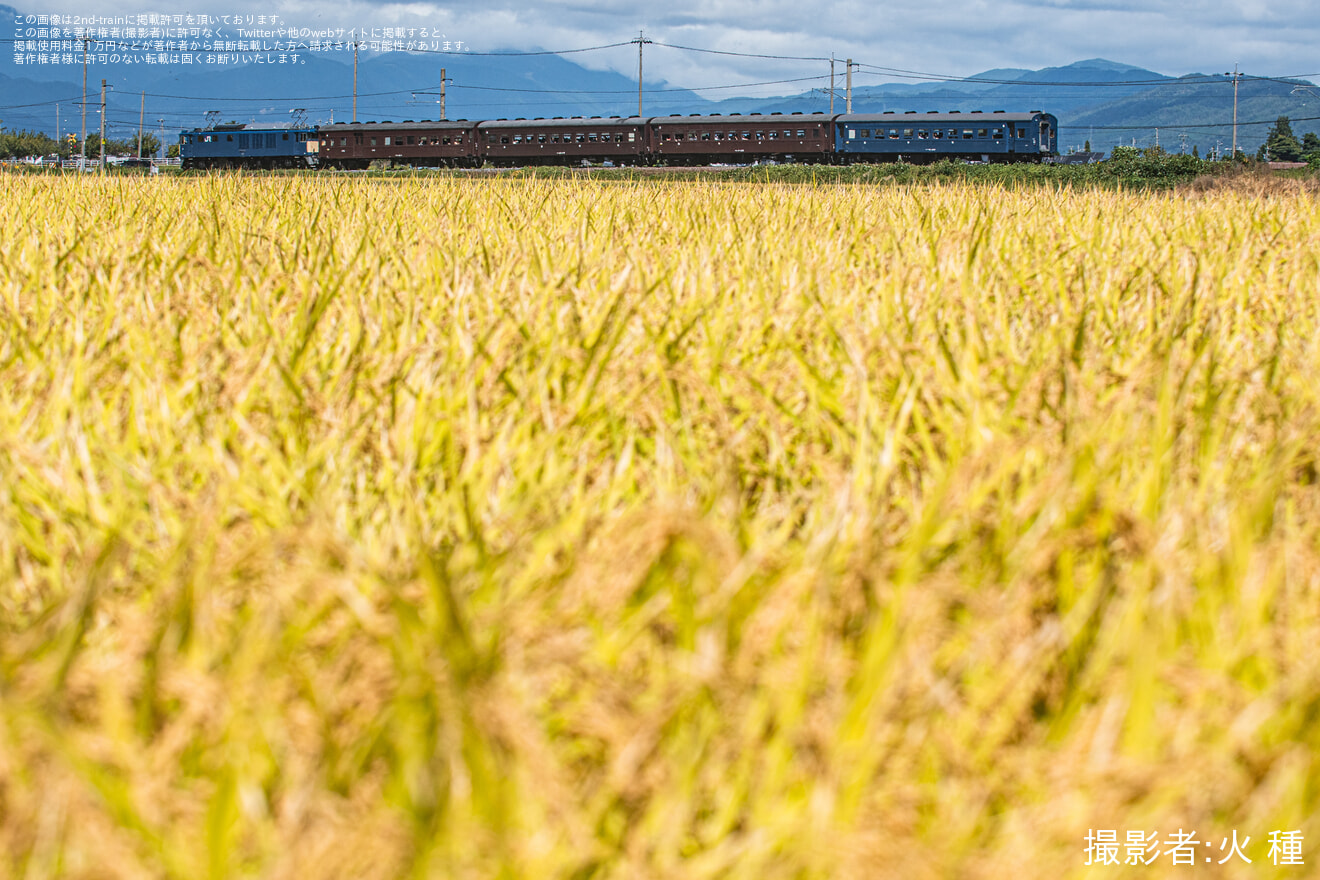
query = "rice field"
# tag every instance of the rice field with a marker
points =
(546, 528)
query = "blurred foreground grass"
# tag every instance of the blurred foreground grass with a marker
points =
(549, 529)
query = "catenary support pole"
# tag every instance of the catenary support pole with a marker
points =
(101, 167)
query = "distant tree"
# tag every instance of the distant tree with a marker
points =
(1310, 145)
(150, 145)
(1196, 153)
(1281, 145)
(1087, 148)
(21, 144)
(172, 152)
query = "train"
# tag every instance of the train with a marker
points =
(696, 139)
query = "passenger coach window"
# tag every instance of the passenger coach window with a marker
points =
(939, 132)
(921, 133)
(907, 132)
(893, 133)
(865, 132)
(967, 134)
(802, 133)
(981, 132)
(998, 134)
(1022, 132)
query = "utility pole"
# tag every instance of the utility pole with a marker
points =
(1236, 76)
(82, 138)
(101, 166)
(641, 40)
(442, 94)
(831, 83)
(141, 118)
(850, 67)
(162, 136)
(355, 53)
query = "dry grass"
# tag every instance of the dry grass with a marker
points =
(548, 529)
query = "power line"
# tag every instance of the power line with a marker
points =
(745, 54)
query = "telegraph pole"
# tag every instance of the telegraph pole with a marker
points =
(442, 94)
(1236, 76)
(162, 137)
(355, 53)
(101, 166)
(831, 83)
(850, 67)
(639, 41)
(82, 138)
(142, 112)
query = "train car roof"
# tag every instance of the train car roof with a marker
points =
(253, 126)
(567, 122)
(952, 116)
(739, 118)
(407, 124)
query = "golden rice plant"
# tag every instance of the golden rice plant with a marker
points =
(534, 528)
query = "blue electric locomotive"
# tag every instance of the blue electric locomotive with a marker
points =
(234, 145)
(928, 137)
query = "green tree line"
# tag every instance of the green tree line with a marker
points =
(23, 144)
(1281, 145)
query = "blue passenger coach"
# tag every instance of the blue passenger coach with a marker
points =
(928, 137)
(234, 145)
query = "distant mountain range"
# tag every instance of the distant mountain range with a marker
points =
(1103, 102)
